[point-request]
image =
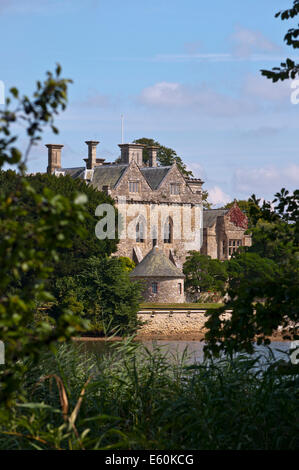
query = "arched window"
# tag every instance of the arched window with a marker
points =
(140, 231)
(154, 236)
(168, 230)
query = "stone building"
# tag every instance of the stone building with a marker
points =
(224, 232)
(158, 205)
(163, 282)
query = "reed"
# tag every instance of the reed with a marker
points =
(131, 397)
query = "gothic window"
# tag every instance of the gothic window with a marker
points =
(154, 287)
(168, 230)
(224, 247)
(133, 186)
(180, 288)
(174, 188)
(140, 232)
(233, 246)
(154, 236)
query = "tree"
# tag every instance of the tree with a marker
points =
(203, 274)
(287, 69)
(71, 259)
(104, 293)
(26, 244)
(263, 282)
(128, 263)
(165, 156)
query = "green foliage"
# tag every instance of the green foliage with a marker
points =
(128, 263)
(48, 99)
(106, 293)
(25, 244)
(203, 274)
(288, 69)
(81, 246)
(263, 281)
(134, 398)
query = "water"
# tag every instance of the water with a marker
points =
(194, 348)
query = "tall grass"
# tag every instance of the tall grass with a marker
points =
(133, 398)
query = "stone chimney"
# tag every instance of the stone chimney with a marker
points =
(91, 161)
(54, 157)
(152, 151)
(130, 152)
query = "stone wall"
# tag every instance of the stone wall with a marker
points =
(168, 290)
(177, 325)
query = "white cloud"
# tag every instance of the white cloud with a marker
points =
(218, 197)
(247, 41)
(202, 98)
(266, 180)
(263, 88)
(197, 170)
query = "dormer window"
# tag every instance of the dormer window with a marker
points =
(133, 186)
(174, 188)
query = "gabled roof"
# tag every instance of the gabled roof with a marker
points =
(156, 264)
(210, 216)
(155, 175)
(107, 175)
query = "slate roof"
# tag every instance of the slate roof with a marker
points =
(74, 172)
(210, 216)
(156, 264)
(107, 175)
(154, 175)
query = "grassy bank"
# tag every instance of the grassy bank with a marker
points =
(132, 398)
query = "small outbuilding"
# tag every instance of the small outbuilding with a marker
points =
(163, 281)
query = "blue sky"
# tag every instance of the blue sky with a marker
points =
(183, 73)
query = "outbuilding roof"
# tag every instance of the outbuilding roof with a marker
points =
(210, 216)
(156, 264)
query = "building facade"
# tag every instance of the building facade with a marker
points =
(158, 205)
(224, 232)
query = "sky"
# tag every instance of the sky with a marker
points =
(185, 73)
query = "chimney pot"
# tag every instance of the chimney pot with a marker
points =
(92, 154)
(130, 152)
(153, 150)
(54, 157)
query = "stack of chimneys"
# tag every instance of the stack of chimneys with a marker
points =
(92, 159)
(54, 157)
(152, 150)
(130, 152)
